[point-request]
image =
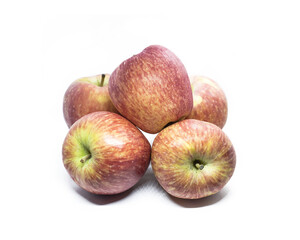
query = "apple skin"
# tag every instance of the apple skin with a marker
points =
(105, 154)
(87, 95)
(210, 103)
(192, 159)
(151, 89)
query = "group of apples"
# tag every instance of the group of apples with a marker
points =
(106, 153)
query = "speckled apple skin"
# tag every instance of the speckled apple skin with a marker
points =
(210, 103)
(176, 147)
(84, 96)
(120, 154)
(152, 89)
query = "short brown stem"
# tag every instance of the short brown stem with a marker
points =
(102, 80)
(85, 158)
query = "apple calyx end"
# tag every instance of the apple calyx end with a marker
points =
(85, 158)
(198, 164)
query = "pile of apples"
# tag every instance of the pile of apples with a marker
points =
(106, 153)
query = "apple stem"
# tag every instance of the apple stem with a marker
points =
(86, 157)
(102, 80)
(199, 166)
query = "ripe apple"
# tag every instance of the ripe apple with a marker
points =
(105, 154)
(151, 89)
(87, 95)
(192, 159)
(210, 102)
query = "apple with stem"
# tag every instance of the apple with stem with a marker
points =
(87, 95)
(210, 103)
(152, 89)
(105, 154)
(192, 159)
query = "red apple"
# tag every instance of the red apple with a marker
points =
(192, 159)
(105, 154)
(87, 95)
(210, 102)
(152, 89)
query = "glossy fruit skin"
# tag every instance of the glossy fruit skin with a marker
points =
(178, 148)
(210, 103)
(152, 89)
(85, 96)
(120, 154)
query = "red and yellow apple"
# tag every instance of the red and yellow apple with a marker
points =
(106, 154)
(210, 102)
(151, 89)
(87, 95)
(192, 159)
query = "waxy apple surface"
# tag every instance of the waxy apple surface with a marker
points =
(87, 95)
(152, 89)
(105, 154)
(192, 159)
(210, 102)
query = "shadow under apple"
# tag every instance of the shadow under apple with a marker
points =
(101, 199)
(149, 183)
(146, 183)
(202, 202)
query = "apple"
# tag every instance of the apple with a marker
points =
(87, 95)
(192, 159)
(151, 89)
(105, 154)
(210, 102)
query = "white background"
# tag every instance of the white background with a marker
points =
(251, 48)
